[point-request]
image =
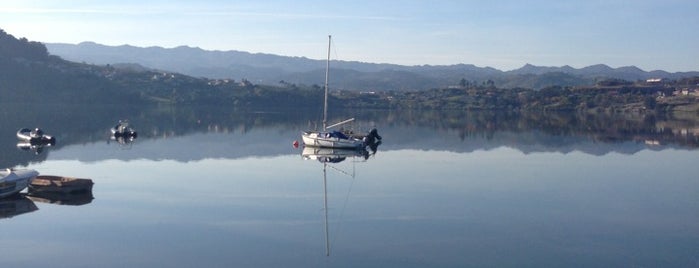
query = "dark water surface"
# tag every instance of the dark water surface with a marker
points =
(208, 187)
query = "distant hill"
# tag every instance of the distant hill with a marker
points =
(31, 76)
(271, 69)
(28, 74)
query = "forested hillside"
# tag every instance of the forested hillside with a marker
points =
(29, 74)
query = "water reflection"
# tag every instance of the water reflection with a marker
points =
(36, 148)
(16, 205)
(122, 141)
(328, 157)
(268, 133)
(447, 190)
(62, 198)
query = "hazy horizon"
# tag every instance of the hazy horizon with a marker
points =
(323, 59)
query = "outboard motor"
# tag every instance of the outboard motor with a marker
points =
(373, 139)
(36, 133)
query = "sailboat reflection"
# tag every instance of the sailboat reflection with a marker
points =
(16, 205)
(330, 156)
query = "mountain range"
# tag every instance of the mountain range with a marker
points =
(351, 75)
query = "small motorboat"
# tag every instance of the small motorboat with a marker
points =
(12, 181)
(123, 130)
(35, 137)
(60, 184)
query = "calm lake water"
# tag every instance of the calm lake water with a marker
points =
(209, 187)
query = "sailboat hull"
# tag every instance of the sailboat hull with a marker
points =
(323, 140)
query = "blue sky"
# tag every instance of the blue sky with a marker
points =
(505, 35)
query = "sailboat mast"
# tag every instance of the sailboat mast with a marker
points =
(325, 102)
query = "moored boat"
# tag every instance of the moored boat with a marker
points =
(35, 136)
(123, 130)
(325, 138)
(60, 184)
(12, 181)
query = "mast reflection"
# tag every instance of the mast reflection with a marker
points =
(330, 156)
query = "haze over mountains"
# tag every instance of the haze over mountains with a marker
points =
(271, 69)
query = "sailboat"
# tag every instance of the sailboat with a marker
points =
(330, 139)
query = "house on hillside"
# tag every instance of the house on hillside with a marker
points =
(655, 81)
(686, 92)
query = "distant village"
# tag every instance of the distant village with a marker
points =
(686, 90)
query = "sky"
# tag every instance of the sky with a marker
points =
(506, 35)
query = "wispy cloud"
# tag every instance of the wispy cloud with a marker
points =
(15, 10)
(280, 15)
(186, 12)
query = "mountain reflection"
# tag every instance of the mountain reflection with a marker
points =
(610, 128)
(194, 132)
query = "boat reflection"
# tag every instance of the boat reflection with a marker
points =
(329, 157)
(16, 205)
(333, 155)
(36, 148)
(61, 198)
(336, 155)
(123, 141)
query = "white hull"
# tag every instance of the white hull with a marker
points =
(320, 139)
(14, 181)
